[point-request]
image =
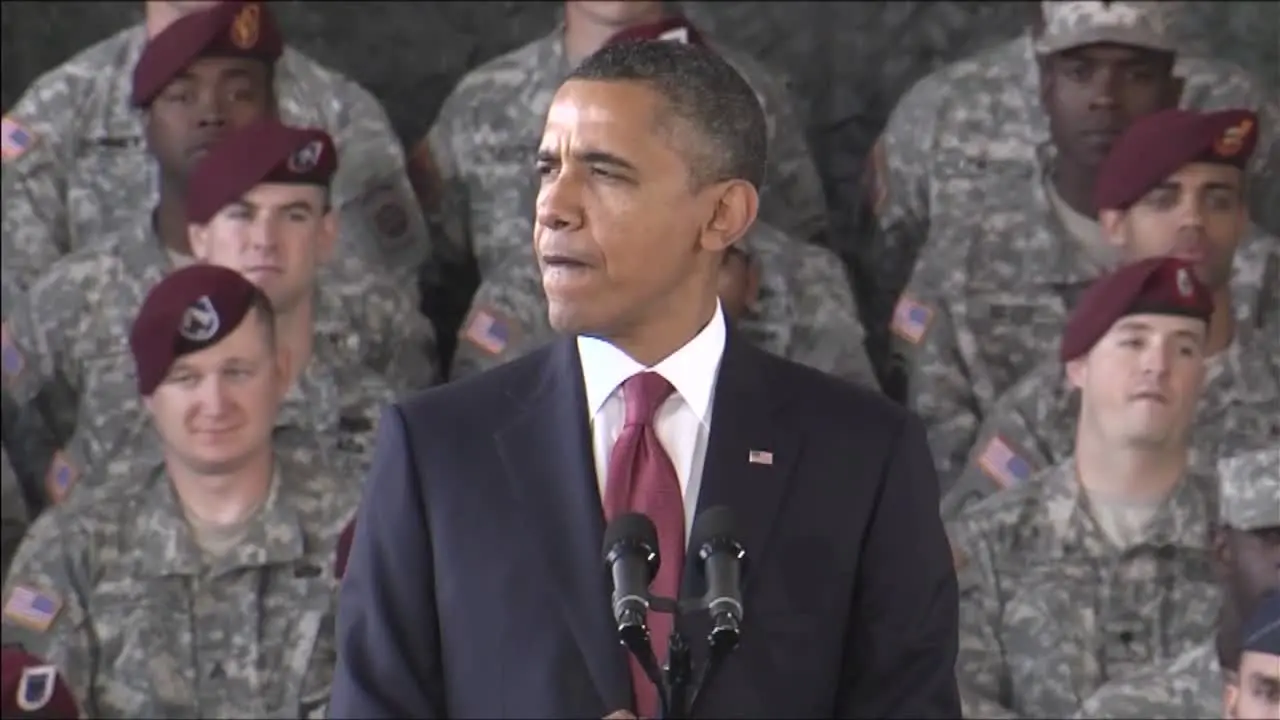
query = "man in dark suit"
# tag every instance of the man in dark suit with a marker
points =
(475, 586)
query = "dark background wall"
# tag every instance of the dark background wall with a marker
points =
(849, 61)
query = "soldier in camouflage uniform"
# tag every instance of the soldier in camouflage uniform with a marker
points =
(986, 301)
(1164, 190)
(1248, 548)
(13, 513)
(1253, 693)
(202, 585)
(72, 327)
(1102, 566)
(475, 168)
(790, 299)
(978, 127)
(76, 165)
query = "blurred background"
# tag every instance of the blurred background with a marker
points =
(849, 61)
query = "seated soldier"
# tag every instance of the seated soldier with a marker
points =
(1100, 568)
(29, 688)
(790, 298)
(76, 166)
(1247, 554)
(203, 585)
(1254, 692)
(1172, 185)
(258, 204)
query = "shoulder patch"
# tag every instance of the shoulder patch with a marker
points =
(36, 686)
(875, 177)
(60, 478)
(388, 216)
(1002, 464)
(11, 360)
(911, 319)
(31, 608)
(488, 330)
(15, 140)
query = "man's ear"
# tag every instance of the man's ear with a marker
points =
(327, 242)
(1077, 372)
(736, 203)
(198, 237)
(1112, 222)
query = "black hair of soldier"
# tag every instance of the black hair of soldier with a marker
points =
(1227, 640)
(712, 115)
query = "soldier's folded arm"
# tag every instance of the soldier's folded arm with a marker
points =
(45, 609)
(981, 669)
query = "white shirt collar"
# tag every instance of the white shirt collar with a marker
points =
(691, 370)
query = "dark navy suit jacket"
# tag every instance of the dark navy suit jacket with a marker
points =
(476, 589)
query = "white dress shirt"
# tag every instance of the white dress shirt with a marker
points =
(682, 422)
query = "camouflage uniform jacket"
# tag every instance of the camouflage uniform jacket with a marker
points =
(1050, 610)
(86, 170)
(482, 146)
(804, 311)
(1189, 686)
(114, 591)
(69, 338)
(976, 127)
(13, 514)
(1033, 426)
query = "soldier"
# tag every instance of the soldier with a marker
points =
(986, 302)
(788, 298)
(256, 204)
(1173, 185)
(203, 587)
(1247, 546)
(474, 169)
(1254, 692)
(1101, 567)
(981, 120)
(13, 512)
(31, 689)
(76, 166)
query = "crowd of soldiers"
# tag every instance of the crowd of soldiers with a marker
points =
(219, 265)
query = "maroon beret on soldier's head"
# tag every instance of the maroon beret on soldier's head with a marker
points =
(676, 28)
(32, 688)
(1158, 145)
(228, 29)
(193, 308)
(265, 151)
(344, 549)
(1155, 286)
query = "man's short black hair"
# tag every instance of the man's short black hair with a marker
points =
(704, 91)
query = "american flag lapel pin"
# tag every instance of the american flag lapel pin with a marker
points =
(760, 457)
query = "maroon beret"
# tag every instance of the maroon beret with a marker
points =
(33, 689)
(191, 309)
(264, 151)
(1158, 145)
(1156, 286)
(344, 549)
(673, 28)
(229, 29)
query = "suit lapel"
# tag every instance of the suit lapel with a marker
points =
(547, 453)
(750, 452)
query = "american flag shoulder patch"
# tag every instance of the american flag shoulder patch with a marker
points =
(11, 359)
(911, 319)
(32, 608)
(488, 330)
(1002, 464)
(14, 139)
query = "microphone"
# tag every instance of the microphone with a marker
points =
(631, 555)
(722, 561)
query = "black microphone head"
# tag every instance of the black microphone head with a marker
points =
(715, 530)
(633, 531)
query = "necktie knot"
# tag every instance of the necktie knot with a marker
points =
(643, 393)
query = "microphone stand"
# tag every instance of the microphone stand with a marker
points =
(679, 673)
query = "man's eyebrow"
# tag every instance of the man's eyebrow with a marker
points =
(590, 156)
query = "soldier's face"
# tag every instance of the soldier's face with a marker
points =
(216, 408)
(1252, 560)
(1197, 214)
(278, 236)
(738, 285)
(210, 98)
(1092, 94)
(1141, 382)
(623, 238)
(1254, 694)
(618, 13)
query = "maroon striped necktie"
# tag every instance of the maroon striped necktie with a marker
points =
(642, 479)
